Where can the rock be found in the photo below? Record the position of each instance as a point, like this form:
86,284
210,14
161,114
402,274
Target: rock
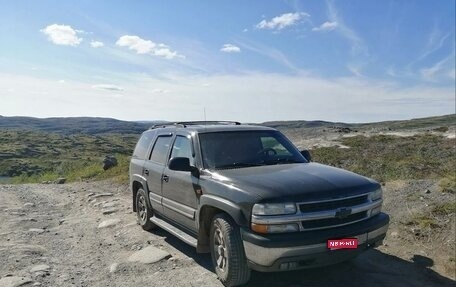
394,234
109,162
40,268
14,281
36,230
60,180
148,255
427,191
90,194
29,204
108,223
109,211
113,267
102,194
109,204
416,231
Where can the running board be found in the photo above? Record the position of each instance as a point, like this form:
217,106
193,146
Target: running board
187,238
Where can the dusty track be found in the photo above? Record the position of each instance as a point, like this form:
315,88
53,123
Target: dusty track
57,226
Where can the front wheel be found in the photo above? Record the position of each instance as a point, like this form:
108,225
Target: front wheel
143,210
227,251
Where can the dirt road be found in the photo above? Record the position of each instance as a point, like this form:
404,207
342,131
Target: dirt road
85,234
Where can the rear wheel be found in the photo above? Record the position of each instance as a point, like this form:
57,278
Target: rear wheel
227,251
143,210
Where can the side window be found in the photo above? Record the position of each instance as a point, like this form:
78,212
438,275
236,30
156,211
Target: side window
143,145
182,148
160,149
272,143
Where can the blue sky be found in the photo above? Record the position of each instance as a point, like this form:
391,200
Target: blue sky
353,61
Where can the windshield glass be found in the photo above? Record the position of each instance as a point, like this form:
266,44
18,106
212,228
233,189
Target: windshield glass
221,150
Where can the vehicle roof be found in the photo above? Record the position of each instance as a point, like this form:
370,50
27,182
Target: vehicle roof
200,128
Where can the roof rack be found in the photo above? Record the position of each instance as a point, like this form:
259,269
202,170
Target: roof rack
194,123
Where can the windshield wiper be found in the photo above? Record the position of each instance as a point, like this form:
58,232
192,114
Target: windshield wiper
284,160
238,165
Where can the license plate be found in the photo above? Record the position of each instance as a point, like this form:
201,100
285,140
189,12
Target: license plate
348,243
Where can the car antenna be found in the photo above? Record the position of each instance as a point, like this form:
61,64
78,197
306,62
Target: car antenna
204,111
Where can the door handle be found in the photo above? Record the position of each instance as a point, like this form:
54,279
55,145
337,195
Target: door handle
146,172
165,178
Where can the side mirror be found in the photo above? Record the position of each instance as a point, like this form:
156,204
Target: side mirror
306,154
183,164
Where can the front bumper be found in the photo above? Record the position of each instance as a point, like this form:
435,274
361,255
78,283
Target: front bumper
281,252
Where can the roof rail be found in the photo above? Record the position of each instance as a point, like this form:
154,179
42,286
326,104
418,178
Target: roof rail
193,123
203,123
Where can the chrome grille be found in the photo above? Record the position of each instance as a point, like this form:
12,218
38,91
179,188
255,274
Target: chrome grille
329,222
333,204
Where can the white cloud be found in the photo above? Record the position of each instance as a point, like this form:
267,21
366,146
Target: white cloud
159,91
441,70
230,48
326,26
282,21
286,97
62,35
141,46
96,44
107,87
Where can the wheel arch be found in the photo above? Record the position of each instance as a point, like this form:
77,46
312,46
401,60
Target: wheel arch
210,206
138,182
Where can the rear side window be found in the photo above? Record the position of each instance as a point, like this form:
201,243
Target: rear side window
160,149
143,145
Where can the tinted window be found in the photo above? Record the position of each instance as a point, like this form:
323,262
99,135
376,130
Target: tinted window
160,149
182,148
247,148
143,145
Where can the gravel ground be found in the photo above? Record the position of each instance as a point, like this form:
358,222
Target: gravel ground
85,234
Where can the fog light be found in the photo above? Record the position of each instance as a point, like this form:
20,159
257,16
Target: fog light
275,228
376,210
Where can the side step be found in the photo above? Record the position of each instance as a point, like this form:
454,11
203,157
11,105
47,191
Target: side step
187,238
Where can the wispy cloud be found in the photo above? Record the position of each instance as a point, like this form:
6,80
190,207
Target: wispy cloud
230,48
443,69
436,39
325,27
142,46
358,46
62,35
96,44
269,52
107,87
282,21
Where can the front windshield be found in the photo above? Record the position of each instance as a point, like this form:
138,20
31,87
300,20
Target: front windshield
221,150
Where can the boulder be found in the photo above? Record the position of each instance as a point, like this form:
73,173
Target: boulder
109,162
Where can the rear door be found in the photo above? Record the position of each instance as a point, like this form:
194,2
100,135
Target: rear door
153,169
179,197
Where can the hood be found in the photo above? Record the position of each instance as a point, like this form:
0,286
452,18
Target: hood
296,182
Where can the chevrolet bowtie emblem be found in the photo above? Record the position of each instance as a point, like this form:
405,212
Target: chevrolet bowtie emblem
343,212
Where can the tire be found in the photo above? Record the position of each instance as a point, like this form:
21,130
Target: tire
227,251
143,211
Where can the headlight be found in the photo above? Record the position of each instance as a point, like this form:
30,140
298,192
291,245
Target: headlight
376,195
273,208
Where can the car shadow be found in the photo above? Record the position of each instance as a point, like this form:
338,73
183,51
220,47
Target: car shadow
373,268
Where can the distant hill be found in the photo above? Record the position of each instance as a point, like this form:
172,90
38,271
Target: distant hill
420,123
94,126
75,125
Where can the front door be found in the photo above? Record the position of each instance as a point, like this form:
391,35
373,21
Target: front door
179,197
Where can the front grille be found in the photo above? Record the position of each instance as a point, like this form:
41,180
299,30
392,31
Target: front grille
330,205
329,222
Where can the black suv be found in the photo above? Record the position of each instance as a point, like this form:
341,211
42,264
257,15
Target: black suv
246,194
